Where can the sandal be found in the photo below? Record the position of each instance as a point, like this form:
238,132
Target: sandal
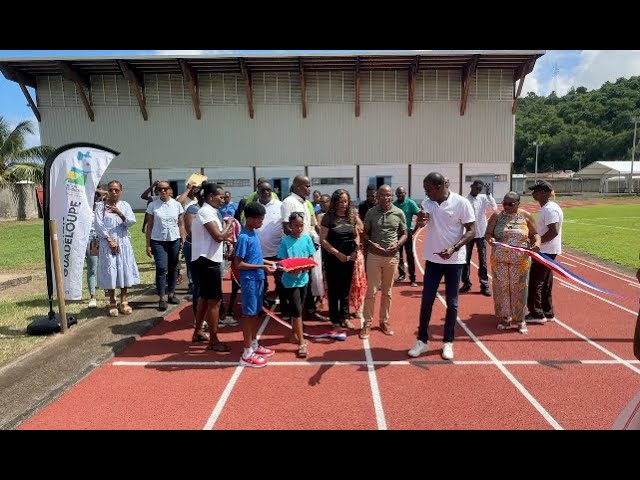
522,328
219,347
504,324
200,336
125,309
302,351
113,310
348,325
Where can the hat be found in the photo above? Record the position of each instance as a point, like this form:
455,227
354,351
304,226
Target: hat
542,185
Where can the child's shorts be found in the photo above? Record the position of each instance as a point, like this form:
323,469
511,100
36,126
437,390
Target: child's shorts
252,296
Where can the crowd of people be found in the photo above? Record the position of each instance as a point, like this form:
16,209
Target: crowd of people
359,252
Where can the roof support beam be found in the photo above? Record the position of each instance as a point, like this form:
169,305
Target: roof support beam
303,90
137,81
81,83
519,74
467,75
246,76
413,73
192,80
357,99
16,76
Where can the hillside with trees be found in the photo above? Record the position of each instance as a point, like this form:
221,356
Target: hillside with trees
581,126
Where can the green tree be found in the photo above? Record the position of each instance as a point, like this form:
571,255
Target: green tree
16,161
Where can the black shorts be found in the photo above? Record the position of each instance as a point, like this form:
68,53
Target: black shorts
210,278
296,297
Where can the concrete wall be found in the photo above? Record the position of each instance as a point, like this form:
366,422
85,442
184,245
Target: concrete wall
19,203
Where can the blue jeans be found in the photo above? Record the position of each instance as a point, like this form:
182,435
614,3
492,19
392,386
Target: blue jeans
165,255
186,253
92,270
432,276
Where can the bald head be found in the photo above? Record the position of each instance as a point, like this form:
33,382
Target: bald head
301,186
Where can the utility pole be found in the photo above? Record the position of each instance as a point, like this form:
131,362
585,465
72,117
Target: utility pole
635,120
537,144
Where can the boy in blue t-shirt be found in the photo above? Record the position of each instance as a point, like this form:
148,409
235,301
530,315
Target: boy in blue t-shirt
295,284
248,260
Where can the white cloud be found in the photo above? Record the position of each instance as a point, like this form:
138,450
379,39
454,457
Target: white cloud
585,68
599,66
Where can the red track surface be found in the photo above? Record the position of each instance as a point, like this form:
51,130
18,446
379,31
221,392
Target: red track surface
577,373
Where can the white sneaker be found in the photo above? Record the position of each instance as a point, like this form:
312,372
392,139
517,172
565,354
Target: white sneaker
93,303
419,348
447,351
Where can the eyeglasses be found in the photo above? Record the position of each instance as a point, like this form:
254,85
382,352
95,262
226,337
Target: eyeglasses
510,204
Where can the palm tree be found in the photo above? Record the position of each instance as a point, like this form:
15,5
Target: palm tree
17,162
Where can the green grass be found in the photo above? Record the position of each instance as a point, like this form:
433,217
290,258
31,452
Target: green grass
22,248
22,245
611,232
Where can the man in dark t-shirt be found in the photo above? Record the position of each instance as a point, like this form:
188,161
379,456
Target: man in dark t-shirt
364,207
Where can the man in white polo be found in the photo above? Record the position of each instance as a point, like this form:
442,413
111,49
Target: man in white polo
450,224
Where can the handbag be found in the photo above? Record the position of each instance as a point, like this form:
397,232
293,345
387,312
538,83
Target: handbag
94,247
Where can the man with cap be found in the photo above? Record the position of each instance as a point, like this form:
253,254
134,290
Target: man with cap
549,225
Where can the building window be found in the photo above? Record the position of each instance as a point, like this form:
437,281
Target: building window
233,182
332,181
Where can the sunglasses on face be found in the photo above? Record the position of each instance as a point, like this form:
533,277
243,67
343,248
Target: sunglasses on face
510,204
163,189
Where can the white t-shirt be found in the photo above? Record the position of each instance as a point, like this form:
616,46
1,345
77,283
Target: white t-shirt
295,203
550,213
202,243
480,203
271,233
446,227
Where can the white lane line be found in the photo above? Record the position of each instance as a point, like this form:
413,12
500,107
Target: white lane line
635,285
568,264
570,287
563,282
575,222
375,389
222,401
583,337
598,268
599,347
382,363
521,388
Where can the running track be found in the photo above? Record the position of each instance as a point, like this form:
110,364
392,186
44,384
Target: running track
577,373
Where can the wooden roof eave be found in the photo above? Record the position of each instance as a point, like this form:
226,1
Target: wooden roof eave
137,80
303,89
192,82
18,77
467,76
82,84
246,77
519,75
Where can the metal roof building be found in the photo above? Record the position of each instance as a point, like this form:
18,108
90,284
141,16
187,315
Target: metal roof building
346,120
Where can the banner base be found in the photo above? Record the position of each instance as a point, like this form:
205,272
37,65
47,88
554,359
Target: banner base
48,325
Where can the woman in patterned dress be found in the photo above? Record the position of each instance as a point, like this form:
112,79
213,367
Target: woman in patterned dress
117,267
516,227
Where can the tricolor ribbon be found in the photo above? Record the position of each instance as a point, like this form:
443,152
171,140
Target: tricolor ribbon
556,267
330,334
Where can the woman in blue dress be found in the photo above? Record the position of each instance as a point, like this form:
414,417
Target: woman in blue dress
117,266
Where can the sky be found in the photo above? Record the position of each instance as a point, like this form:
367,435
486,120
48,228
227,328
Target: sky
557,70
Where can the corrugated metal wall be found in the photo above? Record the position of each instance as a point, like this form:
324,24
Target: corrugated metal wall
278,141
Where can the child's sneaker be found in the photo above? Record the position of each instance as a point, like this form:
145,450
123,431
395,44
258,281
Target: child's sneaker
264,351
254,361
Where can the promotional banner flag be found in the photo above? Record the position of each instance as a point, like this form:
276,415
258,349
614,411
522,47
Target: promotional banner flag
72,174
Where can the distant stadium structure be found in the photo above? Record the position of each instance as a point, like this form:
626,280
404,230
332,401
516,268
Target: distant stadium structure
614,176
345,120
